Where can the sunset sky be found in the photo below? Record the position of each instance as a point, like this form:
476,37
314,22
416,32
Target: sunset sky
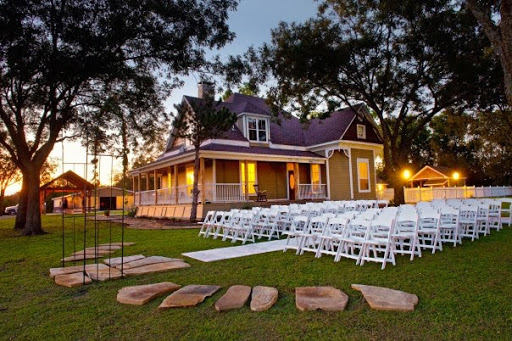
252,23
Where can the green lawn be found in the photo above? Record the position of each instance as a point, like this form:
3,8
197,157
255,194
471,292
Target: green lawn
465,292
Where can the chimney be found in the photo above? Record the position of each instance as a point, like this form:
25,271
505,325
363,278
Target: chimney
205,89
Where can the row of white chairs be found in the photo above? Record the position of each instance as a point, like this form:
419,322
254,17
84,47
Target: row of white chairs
379,234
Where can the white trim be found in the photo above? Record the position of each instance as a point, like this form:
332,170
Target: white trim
328,178
367,161
258,119
226,142
346,129
253,114
350,174
427,166
287,147
374,172
346,144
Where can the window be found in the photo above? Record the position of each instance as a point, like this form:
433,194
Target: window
190,178
315,174
363,175
361,131
251,176
257,129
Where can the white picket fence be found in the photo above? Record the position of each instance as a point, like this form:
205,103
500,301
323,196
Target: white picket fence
413,195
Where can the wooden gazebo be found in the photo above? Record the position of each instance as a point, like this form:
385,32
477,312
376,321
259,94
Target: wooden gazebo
68,182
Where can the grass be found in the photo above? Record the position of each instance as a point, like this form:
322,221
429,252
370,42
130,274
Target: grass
465,292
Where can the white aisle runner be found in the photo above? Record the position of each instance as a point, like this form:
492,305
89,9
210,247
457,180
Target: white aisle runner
237,251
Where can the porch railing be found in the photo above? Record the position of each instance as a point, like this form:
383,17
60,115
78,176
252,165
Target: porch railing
312,191
413,195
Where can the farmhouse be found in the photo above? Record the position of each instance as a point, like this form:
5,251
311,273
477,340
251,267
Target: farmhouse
333,159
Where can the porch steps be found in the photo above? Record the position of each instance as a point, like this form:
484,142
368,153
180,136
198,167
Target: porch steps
237,251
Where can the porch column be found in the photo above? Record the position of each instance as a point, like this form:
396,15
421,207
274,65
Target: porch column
214,181
246,177
327,180
297,180
155,182
138,186
133,183
147,181
201,174
176,184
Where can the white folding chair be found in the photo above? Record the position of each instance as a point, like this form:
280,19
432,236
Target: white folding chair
378,246
405,234
221,219
506,212
243,230
467,222
449,226
228,229
330,238
310,238
352,242
429,233
206,224
298,226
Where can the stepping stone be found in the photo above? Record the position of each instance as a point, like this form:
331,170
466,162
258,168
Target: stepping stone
72,269
72,280
148,261
155,268
188,296
105,247
263,298
103,274
387,299
80,257
142,294
92,252
126,259
234,298
119,244
323,298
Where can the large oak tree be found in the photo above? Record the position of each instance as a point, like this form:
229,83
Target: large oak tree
62,60
407,60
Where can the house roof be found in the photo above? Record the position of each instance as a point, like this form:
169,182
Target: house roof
259,150
68,181
432,172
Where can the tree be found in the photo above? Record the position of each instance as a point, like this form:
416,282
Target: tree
496,20
9,174
198,121
406,60
75,65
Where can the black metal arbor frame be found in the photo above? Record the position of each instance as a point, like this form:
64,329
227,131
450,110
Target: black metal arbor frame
96,164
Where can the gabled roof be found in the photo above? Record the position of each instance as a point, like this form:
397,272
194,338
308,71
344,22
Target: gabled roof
68,181
432,172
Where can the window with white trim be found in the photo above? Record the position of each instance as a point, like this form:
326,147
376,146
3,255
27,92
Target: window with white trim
257,129
363,175
361,131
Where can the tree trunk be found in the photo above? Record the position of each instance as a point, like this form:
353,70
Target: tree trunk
2,196
195,190
33,209
21,215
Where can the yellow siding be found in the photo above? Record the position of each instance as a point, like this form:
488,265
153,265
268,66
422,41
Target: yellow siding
208,171
363,154
339,176
227,172
272,178
304,174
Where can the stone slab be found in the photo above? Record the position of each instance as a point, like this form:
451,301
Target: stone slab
188,296
72,280
72,269
323,298
234,298
105,247
142,294
155,268
148,261
103,274
263,298
126,259
80,257
92,252
119,244
380,298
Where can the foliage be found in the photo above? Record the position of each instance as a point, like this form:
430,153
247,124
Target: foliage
92,68
9,174
406,60
197,121
464,292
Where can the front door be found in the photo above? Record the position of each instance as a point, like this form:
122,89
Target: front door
291,185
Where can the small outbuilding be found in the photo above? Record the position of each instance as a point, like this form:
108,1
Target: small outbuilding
437,176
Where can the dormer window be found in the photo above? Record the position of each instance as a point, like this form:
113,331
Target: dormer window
361,131
257,129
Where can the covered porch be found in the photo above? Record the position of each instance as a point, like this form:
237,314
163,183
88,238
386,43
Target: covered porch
229,180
